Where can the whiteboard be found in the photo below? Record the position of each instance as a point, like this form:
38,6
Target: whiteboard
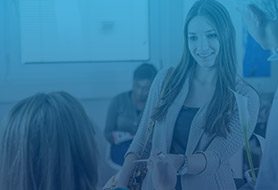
84,30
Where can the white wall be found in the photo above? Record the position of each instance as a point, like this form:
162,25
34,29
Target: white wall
83,79
93,83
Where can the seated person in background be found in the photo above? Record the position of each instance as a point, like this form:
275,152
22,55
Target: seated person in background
47,143
125,112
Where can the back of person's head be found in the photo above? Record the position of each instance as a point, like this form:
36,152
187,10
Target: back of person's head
265,19
269,7
47,143
144,71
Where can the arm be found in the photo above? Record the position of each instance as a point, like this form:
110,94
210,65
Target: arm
140,137
193,164
165,168
126,170
196,163
221,149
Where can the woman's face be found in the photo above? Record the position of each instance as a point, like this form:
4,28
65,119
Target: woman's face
203,41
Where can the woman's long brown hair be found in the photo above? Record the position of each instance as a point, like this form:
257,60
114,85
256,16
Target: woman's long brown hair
223,101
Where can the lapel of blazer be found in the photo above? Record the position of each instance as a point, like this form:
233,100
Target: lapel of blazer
196,130
173,112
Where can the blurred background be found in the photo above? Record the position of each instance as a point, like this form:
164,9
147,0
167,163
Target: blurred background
90,48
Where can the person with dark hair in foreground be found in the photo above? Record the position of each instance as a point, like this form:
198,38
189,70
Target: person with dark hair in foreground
125,112
47,143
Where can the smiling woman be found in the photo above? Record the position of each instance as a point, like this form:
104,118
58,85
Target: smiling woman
203,42
196,117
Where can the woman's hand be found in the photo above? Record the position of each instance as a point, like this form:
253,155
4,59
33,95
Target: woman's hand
120,136
163,168
113,183
122,178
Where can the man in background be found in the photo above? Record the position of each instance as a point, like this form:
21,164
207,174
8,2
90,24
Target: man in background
125,112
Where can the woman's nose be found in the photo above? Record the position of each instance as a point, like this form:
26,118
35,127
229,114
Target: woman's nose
203,44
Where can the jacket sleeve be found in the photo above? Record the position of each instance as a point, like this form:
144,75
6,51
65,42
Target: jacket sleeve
153,97
222,149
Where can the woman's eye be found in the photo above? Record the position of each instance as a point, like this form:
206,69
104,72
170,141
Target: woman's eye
212,36
193,38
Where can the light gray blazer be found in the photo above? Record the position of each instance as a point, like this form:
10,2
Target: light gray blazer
217,175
